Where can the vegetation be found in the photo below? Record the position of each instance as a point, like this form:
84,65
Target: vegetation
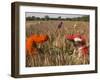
57,50
83,18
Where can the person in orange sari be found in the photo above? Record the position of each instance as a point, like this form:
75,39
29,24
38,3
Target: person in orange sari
34,39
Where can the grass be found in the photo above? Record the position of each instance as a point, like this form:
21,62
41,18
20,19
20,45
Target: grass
48,53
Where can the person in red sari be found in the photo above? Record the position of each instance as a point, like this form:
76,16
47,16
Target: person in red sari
79,42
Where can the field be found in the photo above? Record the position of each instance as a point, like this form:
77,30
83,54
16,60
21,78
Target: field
57,50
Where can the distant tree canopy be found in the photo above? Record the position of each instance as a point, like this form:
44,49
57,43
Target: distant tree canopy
45,18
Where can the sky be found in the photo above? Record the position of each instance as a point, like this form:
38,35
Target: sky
52,15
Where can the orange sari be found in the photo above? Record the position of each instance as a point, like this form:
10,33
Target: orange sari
33,40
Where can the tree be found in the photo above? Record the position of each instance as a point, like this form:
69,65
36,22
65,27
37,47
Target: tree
47,17
33,17
59,18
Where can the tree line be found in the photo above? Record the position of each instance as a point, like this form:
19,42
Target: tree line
46,18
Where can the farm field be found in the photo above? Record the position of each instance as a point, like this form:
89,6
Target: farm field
57,50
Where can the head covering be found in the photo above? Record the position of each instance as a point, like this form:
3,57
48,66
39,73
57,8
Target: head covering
76,37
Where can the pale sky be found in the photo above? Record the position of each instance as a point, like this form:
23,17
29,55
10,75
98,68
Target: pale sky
52,15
